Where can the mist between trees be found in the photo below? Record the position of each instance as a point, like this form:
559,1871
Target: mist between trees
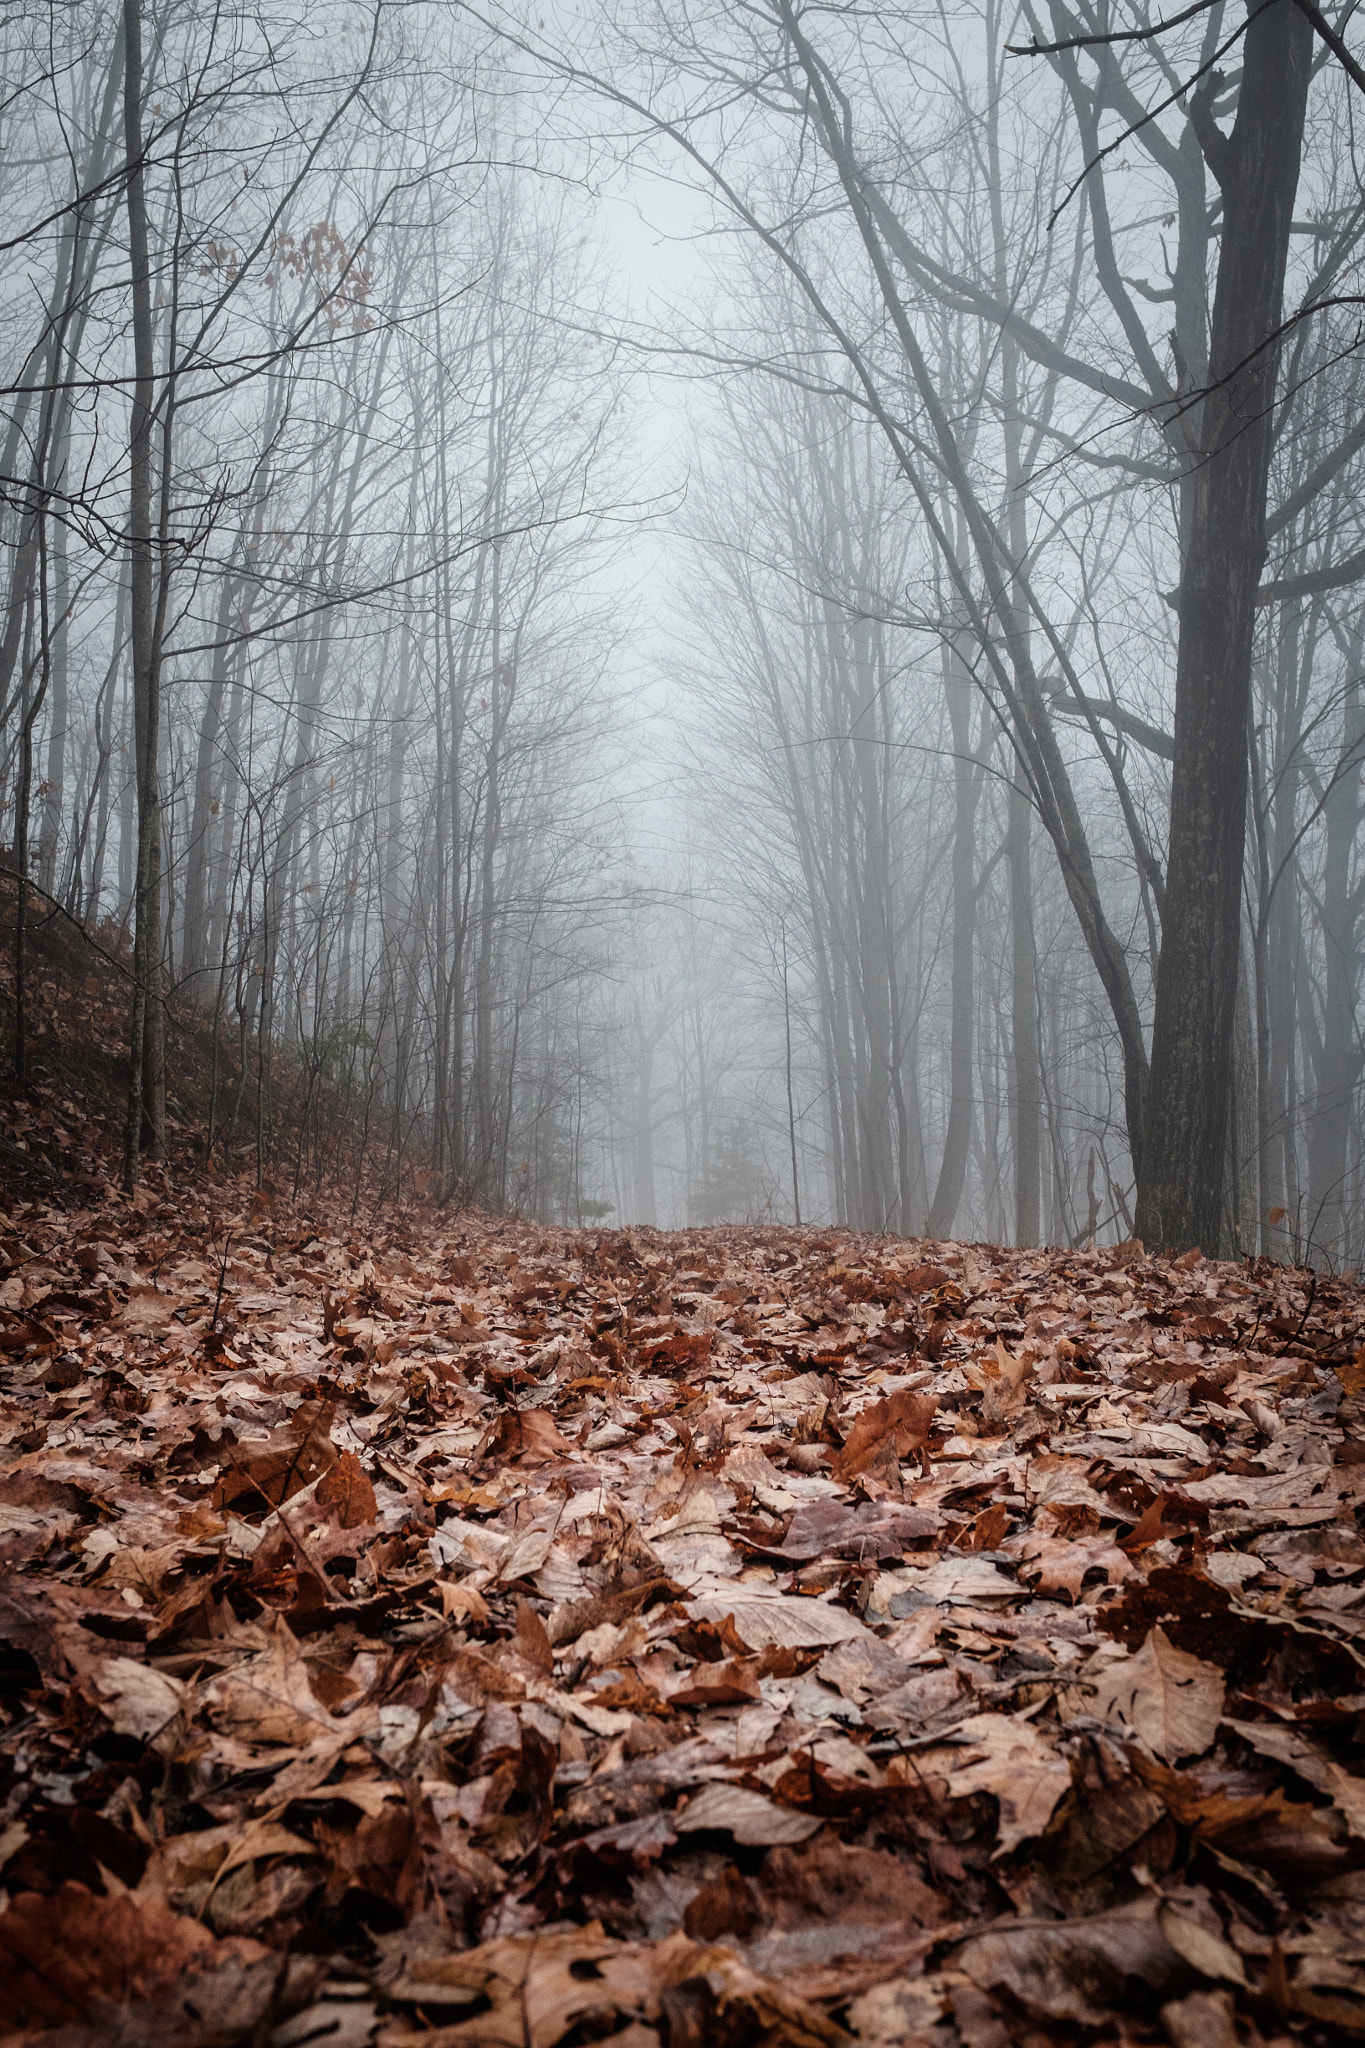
873,733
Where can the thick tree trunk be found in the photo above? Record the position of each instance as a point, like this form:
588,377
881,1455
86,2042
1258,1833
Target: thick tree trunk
29,706
146,721
1180,1183
1240,1185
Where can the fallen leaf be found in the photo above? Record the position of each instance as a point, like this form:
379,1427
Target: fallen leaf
1294,1747
537,1989
1173,1702
159,1976
1203,1950
777,1620
747,1816
902,1419
295,1455
134,1699
1084,1971
348,1487
1010,1759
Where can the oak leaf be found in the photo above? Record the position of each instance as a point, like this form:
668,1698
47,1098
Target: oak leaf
1083,1970
167,1983
539,1990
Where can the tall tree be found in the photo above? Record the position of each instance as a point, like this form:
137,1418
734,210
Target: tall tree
146,1066
1180,1199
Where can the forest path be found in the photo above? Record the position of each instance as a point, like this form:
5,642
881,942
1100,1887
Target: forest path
476,1632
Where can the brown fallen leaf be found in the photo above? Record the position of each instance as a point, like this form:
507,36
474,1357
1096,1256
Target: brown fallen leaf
1172,1702
538,1989
1167,1515
1204,2019
831,1528
1062,1565
1006,1391
59,1953
75,1957
1010,1759
747,1816
134,1699
1292,1746
269,1698
903,1418
294,1456
782,1620
1084,1971
529,1434
348,1486
1202,1949
714,1685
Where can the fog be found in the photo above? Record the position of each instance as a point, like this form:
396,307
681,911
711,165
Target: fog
705,612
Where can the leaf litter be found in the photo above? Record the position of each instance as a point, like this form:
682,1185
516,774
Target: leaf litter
486,1634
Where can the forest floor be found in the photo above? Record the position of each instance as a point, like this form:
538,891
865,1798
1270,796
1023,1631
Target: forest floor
460,1631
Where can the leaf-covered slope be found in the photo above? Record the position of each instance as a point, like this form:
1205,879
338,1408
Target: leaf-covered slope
496,1635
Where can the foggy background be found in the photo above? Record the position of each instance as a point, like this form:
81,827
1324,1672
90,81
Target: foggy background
583,753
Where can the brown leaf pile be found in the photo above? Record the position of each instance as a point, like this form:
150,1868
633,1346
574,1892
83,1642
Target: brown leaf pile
491,1635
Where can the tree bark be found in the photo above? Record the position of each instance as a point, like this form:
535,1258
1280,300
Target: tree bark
146,709
1025,1099
791,1100
200,850
952,1173
1180,1182
1329,1215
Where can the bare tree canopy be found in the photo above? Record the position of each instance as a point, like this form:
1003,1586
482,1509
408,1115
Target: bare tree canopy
704,612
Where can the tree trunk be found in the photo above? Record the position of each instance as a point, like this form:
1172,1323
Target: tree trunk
1180,1183
54,777
208,760
643,1202
952,1171
1329,1119
791,1099
1240,1184
1025,1102
29,705
146,708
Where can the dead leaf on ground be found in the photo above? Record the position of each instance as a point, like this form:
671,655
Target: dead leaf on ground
1173,1702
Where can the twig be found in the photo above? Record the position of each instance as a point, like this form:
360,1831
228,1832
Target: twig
222,1282
1308,1310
